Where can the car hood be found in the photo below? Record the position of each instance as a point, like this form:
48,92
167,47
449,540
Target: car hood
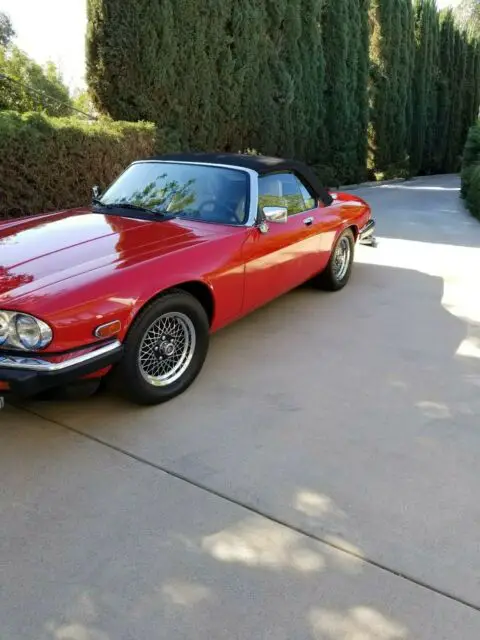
39,251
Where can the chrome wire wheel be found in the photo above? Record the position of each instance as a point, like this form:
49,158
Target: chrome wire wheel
341,259
167,349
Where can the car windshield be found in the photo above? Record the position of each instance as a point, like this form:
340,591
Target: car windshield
202,192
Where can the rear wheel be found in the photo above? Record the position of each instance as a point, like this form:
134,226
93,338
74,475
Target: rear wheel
165,350
339,268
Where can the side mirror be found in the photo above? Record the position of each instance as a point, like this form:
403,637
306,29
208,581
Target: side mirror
96,192
278,215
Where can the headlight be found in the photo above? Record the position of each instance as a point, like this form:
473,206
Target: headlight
23,331
4,328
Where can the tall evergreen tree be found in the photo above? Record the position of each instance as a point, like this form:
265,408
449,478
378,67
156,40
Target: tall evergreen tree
423,79
403,109
431,130
391,67
291,77
363,30
457,77
470,109
446,85
337,83
346,42
313,80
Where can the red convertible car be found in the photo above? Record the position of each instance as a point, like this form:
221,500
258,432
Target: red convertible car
177,247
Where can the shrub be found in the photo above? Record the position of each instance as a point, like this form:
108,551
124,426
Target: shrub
471,171
473,194
51,163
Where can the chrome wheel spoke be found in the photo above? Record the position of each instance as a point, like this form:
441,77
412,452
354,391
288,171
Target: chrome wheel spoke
167,349
341,258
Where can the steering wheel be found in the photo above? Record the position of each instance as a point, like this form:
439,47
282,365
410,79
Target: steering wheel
229,215
206,204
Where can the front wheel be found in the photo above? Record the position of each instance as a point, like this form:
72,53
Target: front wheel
165,350
339,268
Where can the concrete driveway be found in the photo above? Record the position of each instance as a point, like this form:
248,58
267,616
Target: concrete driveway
319,481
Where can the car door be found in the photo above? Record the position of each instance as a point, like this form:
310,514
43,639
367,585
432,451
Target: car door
287,254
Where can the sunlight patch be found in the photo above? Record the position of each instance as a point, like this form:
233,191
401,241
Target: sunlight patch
435,410
359,623
315,504
470,348
263,544
78,632
185,593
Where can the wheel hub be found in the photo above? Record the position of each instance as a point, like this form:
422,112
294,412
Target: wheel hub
165,348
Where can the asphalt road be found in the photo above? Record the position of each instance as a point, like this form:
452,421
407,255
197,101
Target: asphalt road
319,481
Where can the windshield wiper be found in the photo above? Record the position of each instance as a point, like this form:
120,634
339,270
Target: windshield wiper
127,205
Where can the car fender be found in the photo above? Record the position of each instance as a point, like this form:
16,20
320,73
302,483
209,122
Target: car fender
186,283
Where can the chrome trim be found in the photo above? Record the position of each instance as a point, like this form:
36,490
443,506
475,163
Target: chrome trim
44,366
367,230
254,176
276,214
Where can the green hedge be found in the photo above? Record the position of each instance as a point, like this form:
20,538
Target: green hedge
332,82
51,163
471,171
286,77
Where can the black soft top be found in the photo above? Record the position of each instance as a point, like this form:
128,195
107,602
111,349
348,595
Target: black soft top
261,164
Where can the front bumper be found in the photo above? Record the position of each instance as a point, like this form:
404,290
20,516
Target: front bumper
28,376
367,234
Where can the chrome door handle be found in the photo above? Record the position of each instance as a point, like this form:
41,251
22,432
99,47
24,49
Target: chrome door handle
308,221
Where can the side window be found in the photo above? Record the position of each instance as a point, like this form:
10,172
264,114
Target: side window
282,190
310,201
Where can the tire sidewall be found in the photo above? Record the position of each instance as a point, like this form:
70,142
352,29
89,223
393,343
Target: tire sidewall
136,386
336,283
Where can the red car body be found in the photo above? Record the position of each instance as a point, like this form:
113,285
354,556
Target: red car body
77,270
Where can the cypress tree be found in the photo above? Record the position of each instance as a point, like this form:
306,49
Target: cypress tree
471,85
361,98
406,59
458,86
346,52
469,91
377,89
457,76
337,85
431,131
391,53
294,131
239,62
445,88
277,89
351,171
477,82
410,45
424,78
313,80
476,99
396,111
391,60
